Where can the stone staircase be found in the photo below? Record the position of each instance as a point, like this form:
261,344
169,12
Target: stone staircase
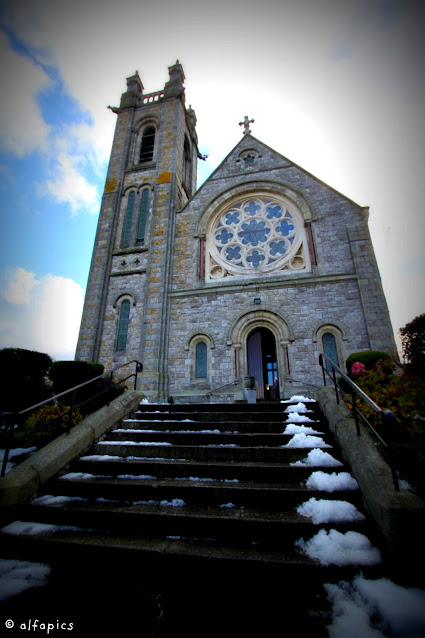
183,519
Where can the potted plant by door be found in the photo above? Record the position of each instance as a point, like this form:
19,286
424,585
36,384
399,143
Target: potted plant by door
251,390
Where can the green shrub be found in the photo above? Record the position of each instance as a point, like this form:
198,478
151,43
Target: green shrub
67,374
46,424
369,359
23,382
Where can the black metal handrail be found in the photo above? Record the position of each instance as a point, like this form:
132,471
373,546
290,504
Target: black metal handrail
387,416
226,385
8,416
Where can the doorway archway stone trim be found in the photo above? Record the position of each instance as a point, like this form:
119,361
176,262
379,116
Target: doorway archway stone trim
264,318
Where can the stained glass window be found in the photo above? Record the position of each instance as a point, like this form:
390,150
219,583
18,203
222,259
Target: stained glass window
330,349
144,203
201,360
128,219
123,325
255,233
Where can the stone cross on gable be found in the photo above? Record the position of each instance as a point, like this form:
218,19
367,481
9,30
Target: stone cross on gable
246,124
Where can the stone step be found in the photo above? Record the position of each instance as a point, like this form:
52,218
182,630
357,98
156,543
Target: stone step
224,453
216,417
145,554
205,438
250,472
195,493
215,408
181,505
229,526
243,427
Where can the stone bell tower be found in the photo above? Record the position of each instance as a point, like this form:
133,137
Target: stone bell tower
151,175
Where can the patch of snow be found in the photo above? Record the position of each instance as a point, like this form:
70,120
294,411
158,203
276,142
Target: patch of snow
405,485
48,499
299,397
132,443
136,476
295,417
176,502
334,548
198,431
302,440
82,475
197,478
101,457
223,445
317,458
19,527
17,576
326,511
375,609
292,428
298,407
331,482
136,431
14,452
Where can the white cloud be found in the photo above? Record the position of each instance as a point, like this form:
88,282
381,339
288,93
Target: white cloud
71,186
19,286
48,320
22,128
337,88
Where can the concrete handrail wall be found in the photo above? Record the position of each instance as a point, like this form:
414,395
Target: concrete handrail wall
24,480
400,515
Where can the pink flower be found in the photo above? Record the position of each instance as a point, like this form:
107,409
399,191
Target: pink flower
357,368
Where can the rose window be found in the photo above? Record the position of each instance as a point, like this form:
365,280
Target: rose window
255,233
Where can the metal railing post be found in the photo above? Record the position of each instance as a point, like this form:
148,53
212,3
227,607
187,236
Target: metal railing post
9,437
111,374
323,369
390,420
335,385
71,410
356,416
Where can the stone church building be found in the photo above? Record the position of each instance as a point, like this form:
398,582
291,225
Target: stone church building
254,274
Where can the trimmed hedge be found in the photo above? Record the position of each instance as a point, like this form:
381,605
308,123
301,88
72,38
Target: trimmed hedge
23,381
67,374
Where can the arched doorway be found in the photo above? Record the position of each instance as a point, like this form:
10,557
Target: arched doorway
262,363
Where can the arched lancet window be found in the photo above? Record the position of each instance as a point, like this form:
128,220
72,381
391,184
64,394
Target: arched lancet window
144,207
148,143
187,163
123,325
201,360
330,349
128,219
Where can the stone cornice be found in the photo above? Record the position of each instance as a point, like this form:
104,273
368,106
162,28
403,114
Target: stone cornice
242,286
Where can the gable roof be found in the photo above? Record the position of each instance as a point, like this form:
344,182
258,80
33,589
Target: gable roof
248,142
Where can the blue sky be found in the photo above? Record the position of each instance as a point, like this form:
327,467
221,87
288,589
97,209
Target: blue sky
337,86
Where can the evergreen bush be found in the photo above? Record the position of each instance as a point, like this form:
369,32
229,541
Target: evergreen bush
68,374
24,375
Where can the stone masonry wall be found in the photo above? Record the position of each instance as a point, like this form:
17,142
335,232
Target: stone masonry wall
342,290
